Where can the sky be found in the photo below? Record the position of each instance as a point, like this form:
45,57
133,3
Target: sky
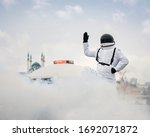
56,27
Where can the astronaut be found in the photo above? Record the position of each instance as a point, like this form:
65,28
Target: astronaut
109,58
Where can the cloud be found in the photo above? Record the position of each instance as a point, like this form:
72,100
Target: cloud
69,11
39,9
39,4
81,97
2,34
12,48
108,27
8,3
119,16
127,2
4,38
146,26
147,11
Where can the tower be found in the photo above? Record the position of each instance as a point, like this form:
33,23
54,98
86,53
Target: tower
28,67
42,59
30,61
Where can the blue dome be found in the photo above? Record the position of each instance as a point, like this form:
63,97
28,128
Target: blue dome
35,66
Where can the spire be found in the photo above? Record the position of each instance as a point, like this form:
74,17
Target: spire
28,55
42,59
30,61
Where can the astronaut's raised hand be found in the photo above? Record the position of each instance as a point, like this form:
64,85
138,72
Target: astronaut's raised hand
85,37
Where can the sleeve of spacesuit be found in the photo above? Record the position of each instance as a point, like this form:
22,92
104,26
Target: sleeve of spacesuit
123,61
88,52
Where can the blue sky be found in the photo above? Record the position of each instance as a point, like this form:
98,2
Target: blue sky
55,27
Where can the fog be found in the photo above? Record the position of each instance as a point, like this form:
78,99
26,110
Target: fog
84,97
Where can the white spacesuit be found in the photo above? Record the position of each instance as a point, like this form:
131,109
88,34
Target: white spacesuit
109,58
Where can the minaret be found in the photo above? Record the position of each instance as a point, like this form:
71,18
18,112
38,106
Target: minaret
28,62
42,59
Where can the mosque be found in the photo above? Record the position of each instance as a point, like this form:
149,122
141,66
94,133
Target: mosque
34,66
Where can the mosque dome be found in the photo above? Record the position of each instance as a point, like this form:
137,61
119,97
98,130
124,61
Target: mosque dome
35,66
